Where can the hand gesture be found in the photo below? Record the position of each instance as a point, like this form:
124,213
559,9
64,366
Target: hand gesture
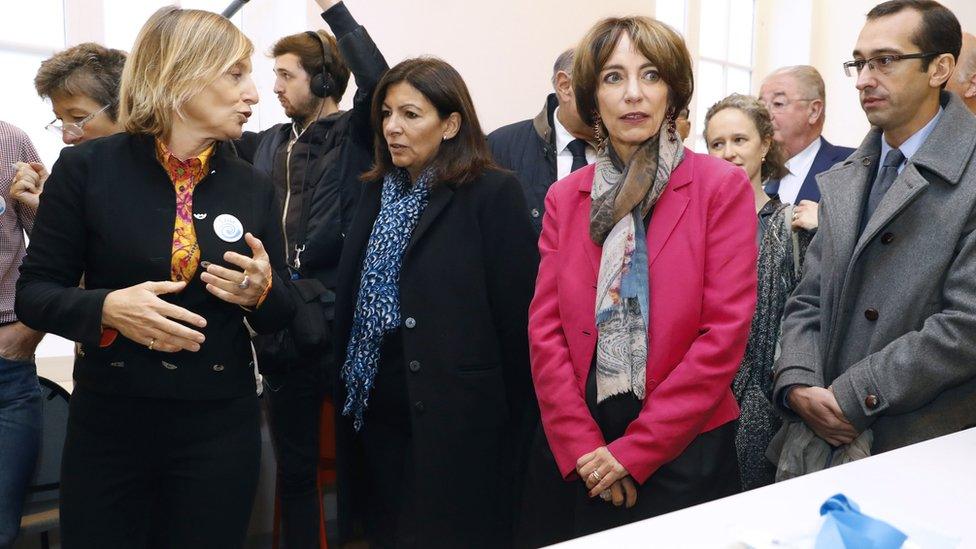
28,183
805,215
139,314
820,411
244,287
600,470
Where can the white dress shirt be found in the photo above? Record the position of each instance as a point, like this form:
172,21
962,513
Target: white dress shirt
564,157
799,166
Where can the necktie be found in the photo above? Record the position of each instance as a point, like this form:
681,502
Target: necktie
578,148
887,175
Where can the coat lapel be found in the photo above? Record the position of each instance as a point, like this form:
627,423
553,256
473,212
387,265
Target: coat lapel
440,196
905,188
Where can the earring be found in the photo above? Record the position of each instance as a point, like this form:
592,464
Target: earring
444,138
763,159
597,127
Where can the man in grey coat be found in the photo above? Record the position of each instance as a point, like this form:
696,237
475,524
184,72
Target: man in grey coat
880,333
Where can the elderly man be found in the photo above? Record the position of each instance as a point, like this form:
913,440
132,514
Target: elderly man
548,147
795,99
878,336
963,80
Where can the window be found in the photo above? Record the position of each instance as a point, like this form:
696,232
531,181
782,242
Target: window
724,55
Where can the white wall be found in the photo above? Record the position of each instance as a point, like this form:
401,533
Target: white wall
504,50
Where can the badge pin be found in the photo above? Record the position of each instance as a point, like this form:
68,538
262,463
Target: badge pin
200,216
228,228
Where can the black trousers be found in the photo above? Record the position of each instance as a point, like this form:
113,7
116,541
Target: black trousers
158,473
295,398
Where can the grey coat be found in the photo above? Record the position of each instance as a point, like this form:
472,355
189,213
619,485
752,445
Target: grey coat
888,318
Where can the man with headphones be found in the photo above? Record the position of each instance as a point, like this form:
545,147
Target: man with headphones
314,162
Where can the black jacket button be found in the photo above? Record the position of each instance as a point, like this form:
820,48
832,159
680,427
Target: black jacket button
414,366
410,322
887,238
419,406
871,314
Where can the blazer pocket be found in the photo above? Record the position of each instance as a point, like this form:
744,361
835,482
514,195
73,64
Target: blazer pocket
477,369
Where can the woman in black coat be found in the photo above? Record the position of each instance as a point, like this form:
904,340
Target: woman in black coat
181,249
435,281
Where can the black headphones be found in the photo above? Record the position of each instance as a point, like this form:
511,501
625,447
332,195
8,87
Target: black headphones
321,84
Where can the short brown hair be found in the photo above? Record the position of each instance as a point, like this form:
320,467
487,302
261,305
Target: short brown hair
460,159
775,164
310,54
656,41
176,54
86,69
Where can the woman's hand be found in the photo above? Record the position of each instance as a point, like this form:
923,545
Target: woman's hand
140,315
805,215
28,183
240,288
622,492
600,470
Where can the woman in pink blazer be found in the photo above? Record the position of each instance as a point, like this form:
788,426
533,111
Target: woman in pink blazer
643,302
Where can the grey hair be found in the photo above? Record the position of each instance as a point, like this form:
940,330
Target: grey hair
808,78
563,63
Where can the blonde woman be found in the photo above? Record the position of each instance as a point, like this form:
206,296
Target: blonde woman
180,246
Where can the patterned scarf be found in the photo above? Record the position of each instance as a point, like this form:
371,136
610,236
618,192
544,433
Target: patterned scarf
621,202
184,174
378,303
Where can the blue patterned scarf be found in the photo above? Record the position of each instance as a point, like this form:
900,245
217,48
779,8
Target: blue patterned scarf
378,303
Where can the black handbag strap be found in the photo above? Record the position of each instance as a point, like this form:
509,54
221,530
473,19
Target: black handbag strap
306,208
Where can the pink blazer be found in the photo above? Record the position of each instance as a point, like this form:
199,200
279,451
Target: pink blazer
701,248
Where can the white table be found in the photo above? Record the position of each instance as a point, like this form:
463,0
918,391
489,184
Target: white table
926,487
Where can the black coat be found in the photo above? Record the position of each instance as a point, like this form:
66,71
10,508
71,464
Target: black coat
528,148
330,156
108,211
467,277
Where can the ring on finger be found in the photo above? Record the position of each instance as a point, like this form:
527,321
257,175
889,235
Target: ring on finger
245,284
152,343
605,495
595,476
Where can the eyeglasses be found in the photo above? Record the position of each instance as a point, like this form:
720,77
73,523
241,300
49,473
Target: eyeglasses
780,104
882,63
76,130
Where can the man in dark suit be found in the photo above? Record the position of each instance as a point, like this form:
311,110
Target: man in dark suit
796,100
548,147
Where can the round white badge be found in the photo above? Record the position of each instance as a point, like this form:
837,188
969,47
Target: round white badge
228,228
3,205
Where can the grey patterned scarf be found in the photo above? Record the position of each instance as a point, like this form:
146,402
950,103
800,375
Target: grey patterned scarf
622,199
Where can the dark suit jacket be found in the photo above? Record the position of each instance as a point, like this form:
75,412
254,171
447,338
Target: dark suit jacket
108,211
465,284
827,156
528,148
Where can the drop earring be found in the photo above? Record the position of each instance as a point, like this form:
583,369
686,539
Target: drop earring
597,127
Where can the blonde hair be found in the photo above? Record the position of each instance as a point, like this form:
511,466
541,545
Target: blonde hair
177,54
